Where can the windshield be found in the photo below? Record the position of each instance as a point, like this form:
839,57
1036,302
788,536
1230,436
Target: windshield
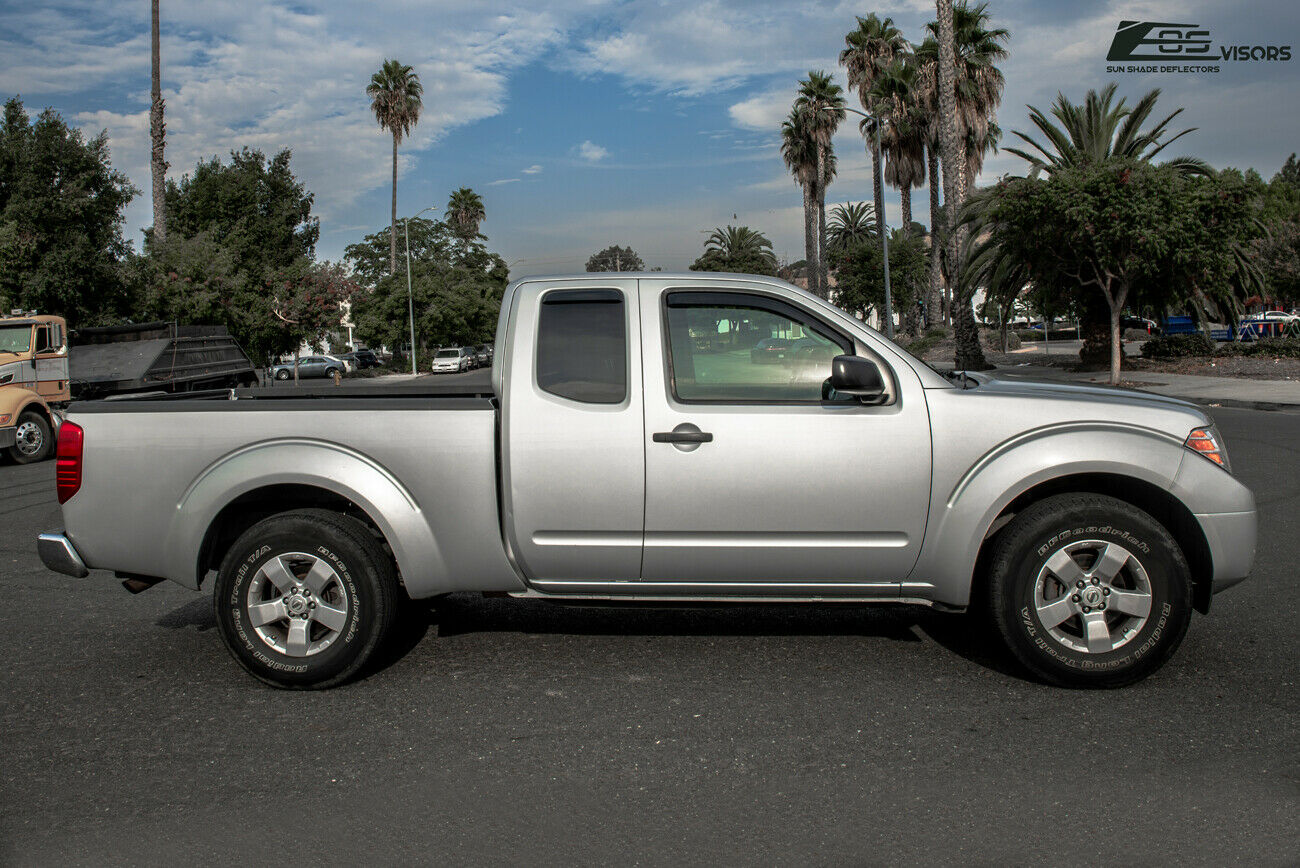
15,339
448,354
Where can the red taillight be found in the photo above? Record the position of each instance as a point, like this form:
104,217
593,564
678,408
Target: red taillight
67,462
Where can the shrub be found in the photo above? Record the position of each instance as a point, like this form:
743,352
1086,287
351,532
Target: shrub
1067,334
993,340
1136,335
1272,348
1177,346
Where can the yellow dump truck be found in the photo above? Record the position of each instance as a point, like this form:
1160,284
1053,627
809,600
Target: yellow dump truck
43,366
34,384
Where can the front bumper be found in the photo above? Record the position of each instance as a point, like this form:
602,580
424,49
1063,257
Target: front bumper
8,436
1231,538
58,553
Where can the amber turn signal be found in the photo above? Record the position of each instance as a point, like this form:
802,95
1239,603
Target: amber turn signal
1205,442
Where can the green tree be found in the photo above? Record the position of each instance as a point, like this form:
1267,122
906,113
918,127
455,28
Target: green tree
799,151
1097,131
308,302
1124,229
896,95
851,223
465,212
737,249
61,206
821,101
860,274
396,98
456,285
615,258
234,228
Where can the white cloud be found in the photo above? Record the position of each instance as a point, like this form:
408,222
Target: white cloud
592,152
532,170
764,111
501,181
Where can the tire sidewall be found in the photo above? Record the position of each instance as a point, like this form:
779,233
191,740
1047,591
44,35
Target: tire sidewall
359,582
1159,556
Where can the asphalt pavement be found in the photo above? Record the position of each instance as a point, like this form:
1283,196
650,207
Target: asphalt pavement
498,730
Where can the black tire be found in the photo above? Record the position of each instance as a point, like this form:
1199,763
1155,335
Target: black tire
1062,527
365,579
282,374
37,440
330,372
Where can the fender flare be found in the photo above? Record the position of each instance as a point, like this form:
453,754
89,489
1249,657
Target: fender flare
304,461
961,518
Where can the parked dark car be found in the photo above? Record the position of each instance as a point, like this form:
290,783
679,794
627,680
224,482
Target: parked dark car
362,359
482,356
1138,322
770,351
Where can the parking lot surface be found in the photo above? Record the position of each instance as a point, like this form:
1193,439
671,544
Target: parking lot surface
500,730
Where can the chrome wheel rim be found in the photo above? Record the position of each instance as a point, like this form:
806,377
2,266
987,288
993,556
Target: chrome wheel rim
297,604
1093,596
29,438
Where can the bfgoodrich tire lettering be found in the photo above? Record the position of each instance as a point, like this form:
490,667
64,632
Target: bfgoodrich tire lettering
304,598
1089,591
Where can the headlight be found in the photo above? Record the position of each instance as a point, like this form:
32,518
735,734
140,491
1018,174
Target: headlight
1205,442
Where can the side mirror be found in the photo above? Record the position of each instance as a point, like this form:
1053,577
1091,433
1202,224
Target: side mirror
854,375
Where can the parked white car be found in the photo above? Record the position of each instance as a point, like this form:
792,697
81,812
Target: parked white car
451,360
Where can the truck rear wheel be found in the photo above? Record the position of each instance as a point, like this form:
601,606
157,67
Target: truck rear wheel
1089,591
304,598
35,441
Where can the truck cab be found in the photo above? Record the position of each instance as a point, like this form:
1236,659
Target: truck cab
34,384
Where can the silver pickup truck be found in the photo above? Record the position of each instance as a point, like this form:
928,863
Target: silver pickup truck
676,438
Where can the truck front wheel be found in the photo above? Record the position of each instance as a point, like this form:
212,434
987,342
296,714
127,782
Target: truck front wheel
1089,591
34,440
304,598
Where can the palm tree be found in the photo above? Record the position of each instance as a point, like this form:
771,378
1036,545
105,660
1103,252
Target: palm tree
800,155
465,212
1098,130
851,223
157,136
823,102
873,45
737,242
396,97
897,96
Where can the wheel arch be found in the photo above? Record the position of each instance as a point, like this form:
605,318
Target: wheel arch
1157,502
264,479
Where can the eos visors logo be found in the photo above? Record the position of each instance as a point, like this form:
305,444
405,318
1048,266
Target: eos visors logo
1189,46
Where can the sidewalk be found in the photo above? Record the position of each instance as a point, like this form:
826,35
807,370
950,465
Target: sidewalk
1221,391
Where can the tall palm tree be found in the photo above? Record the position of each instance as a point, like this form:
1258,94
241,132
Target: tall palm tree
851,223
938,302
396,97
873,44
896,94
1098,129
823,102
465,212
800,154
157,135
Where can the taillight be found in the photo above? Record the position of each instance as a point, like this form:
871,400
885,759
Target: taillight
1204,442
67,462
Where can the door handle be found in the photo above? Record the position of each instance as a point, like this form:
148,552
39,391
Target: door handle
683,437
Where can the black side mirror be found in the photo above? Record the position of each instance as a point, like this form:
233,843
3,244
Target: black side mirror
854,375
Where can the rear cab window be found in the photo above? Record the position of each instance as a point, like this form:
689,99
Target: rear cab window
582,345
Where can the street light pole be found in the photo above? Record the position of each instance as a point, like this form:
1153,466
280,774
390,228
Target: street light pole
881,222
410,298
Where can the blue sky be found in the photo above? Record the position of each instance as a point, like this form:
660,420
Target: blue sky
582,123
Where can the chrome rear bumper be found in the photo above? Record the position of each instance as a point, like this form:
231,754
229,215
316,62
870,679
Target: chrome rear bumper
57,553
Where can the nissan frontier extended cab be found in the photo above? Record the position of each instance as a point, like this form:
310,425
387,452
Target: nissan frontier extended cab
638,444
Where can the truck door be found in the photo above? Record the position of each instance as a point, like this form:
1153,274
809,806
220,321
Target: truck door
51,362
573,460
754,474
